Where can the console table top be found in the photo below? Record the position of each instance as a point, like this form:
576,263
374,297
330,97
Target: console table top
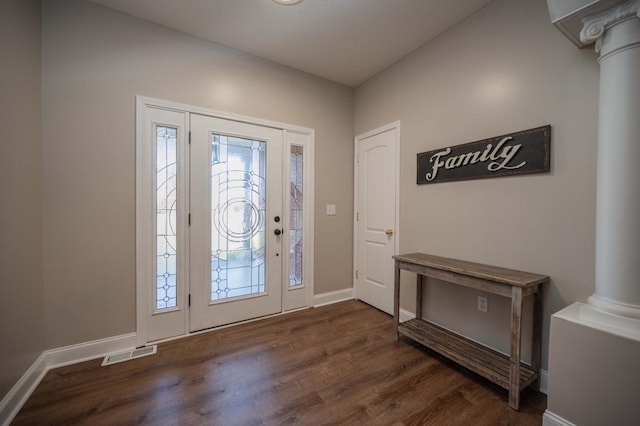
472,269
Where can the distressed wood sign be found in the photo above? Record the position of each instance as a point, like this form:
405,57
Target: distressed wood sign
518,153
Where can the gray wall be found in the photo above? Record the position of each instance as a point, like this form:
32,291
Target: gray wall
21,326
95,61
502,70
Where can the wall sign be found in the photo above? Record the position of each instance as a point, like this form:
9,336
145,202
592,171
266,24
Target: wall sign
523,152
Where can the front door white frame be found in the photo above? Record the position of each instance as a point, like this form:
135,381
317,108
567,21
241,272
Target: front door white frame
395,126
292,298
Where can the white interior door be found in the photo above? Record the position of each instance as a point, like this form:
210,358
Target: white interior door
236,238
376,217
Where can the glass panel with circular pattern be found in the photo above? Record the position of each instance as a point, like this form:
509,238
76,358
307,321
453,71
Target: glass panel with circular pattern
166,203
238,217
295,220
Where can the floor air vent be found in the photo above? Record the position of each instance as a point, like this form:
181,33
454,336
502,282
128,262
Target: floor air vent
132,354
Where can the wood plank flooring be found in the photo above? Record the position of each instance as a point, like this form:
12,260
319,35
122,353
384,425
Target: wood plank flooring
336,364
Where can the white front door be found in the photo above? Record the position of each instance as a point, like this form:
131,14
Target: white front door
224,218
376,215
236,239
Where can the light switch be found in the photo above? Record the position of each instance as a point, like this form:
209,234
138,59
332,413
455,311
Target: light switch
331,209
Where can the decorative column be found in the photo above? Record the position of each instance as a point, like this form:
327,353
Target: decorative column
617,36
594,347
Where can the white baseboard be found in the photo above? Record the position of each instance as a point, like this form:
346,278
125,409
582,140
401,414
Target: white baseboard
89,350
406,315
544,381
332,297
20,392
53,358
552,419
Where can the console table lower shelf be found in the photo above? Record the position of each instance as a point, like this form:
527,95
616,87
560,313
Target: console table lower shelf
506,371
486,362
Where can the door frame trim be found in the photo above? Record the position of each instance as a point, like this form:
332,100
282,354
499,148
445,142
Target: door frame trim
143,102
356,169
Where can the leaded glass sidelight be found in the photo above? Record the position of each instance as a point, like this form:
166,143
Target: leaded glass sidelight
238,213
295,232
166,203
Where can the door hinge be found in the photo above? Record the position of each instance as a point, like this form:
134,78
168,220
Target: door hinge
357,217
189,137
189,219
356,275
189,300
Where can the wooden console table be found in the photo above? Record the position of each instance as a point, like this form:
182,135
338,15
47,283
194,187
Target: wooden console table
506,371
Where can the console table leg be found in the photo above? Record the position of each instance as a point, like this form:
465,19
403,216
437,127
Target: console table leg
536,348
419,282
396,301
516,334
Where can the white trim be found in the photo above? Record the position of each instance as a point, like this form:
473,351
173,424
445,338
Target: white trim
356,169
406,315
332,297
552,419
149,320
304,293
22,390
600,318
81,352
208,330
159,103
54,358
309,216
143,310
356,195
143,233
544,381
629,313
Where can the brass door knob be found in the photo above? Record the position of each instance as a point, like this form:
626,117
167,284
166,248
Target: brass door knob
389,232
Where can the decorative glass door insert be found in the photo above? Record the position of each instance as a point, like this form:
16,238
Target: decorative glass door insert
214,232
236,234
238,217
296,177
166,203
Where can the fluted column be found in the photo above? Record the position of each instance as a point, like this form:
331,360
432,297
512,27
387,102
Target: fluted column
617,36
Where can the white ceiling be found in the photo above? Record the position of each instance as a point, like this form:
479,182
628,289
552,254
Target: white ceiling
347,41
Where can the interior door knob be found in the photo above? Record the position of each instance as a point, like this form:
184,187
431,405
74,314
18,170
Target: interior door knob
277,231
389,232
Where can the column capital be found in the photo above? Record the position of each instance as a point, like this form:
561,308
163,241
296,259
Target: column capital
594,26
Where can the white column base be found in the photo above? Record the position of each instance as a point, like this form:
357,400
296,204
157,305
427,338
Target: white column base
615,308
593,368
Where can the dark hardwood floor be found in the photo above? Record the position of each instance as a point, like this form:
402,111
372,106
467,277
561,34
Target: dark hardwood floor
336,364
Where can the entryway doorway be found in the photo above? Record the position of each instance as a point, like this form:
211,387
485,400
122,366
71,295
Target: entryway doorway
376,223
224,220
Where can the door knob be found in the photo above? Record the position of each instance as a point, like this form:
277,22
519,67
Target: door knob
277,232
389,232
